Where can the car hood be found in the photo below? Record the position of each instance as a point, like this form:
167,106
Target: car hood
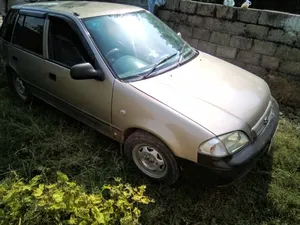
213,93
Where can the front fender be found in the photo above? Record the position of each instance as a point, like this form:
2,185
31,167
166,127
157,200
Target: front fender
132,108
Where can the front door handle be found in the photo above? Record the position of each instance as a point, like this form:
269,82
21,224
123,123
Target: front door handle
15,58
52,76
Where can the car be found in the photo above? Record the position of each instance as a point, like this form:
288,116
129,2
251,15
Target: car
122,71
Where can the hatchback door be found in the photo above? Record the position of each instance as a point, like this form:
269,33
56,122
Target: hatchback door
88,99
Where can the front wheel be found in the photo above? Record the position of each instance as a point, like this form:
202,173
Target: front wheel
152,157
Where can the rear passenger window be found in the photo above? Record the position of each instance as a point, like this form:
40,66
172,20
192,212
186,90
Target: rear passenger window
65,46
8,25
29,34
33,31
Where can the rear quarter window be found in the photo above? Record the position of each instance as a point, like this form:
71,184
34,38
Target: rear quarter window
8,25
17,38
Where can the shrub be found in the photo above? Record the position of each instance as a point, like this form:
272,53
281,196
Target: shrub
63,202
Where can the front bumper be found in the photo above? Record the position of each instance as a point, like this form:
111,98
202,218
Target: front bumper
232,167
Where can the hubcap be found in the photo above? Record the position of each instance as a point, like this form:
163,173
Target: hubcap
149,161
20,88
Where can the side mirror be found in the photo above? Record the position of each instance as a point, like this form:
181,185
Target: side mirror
85,71
179,34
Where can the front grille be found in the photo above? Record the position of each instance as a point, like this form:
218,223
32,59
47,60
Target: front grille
263,121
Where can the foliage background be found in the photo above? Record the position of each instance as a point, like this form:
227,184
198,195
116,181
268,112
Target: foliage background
40,201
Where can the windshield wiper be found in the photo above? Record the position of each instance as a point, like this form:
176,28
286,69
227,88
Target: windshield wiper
159,63
181,53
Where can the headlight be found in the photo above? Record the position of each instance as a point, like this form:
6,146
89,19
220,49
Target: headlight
225,144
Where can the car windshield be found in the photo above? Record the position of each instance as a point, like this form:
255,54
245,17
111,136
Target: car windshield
137,43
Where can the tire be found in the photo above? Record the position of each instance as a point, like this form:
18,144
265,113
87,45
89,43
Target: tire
152,157
17,85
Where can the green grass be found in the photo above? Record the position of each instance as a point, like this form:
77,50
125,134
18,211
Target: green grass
37,137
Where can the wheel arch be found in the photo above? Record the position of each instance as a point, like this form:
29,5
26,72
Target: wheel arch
9,71
130,130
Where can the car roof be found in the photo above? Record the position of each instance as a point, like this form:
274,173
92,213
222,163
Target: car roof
82,9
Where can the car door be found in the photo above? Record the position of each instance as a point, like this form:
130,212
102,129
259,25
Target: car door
89,100
26,53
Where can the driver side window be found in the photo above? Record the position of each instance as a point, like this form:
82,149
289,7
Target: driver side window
64,45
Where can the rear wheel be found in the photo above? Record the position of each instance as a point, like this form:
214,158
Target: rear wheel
152,157
19,87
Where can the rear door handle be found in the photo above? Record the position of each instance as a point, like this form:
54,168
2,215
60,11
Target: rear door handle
15,58
52,76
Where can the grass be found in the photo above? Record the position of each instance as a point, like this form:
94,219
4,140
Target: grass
37,137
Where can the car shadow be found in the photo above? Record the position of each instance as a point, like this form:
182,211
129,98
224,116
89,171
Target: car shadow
200,201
